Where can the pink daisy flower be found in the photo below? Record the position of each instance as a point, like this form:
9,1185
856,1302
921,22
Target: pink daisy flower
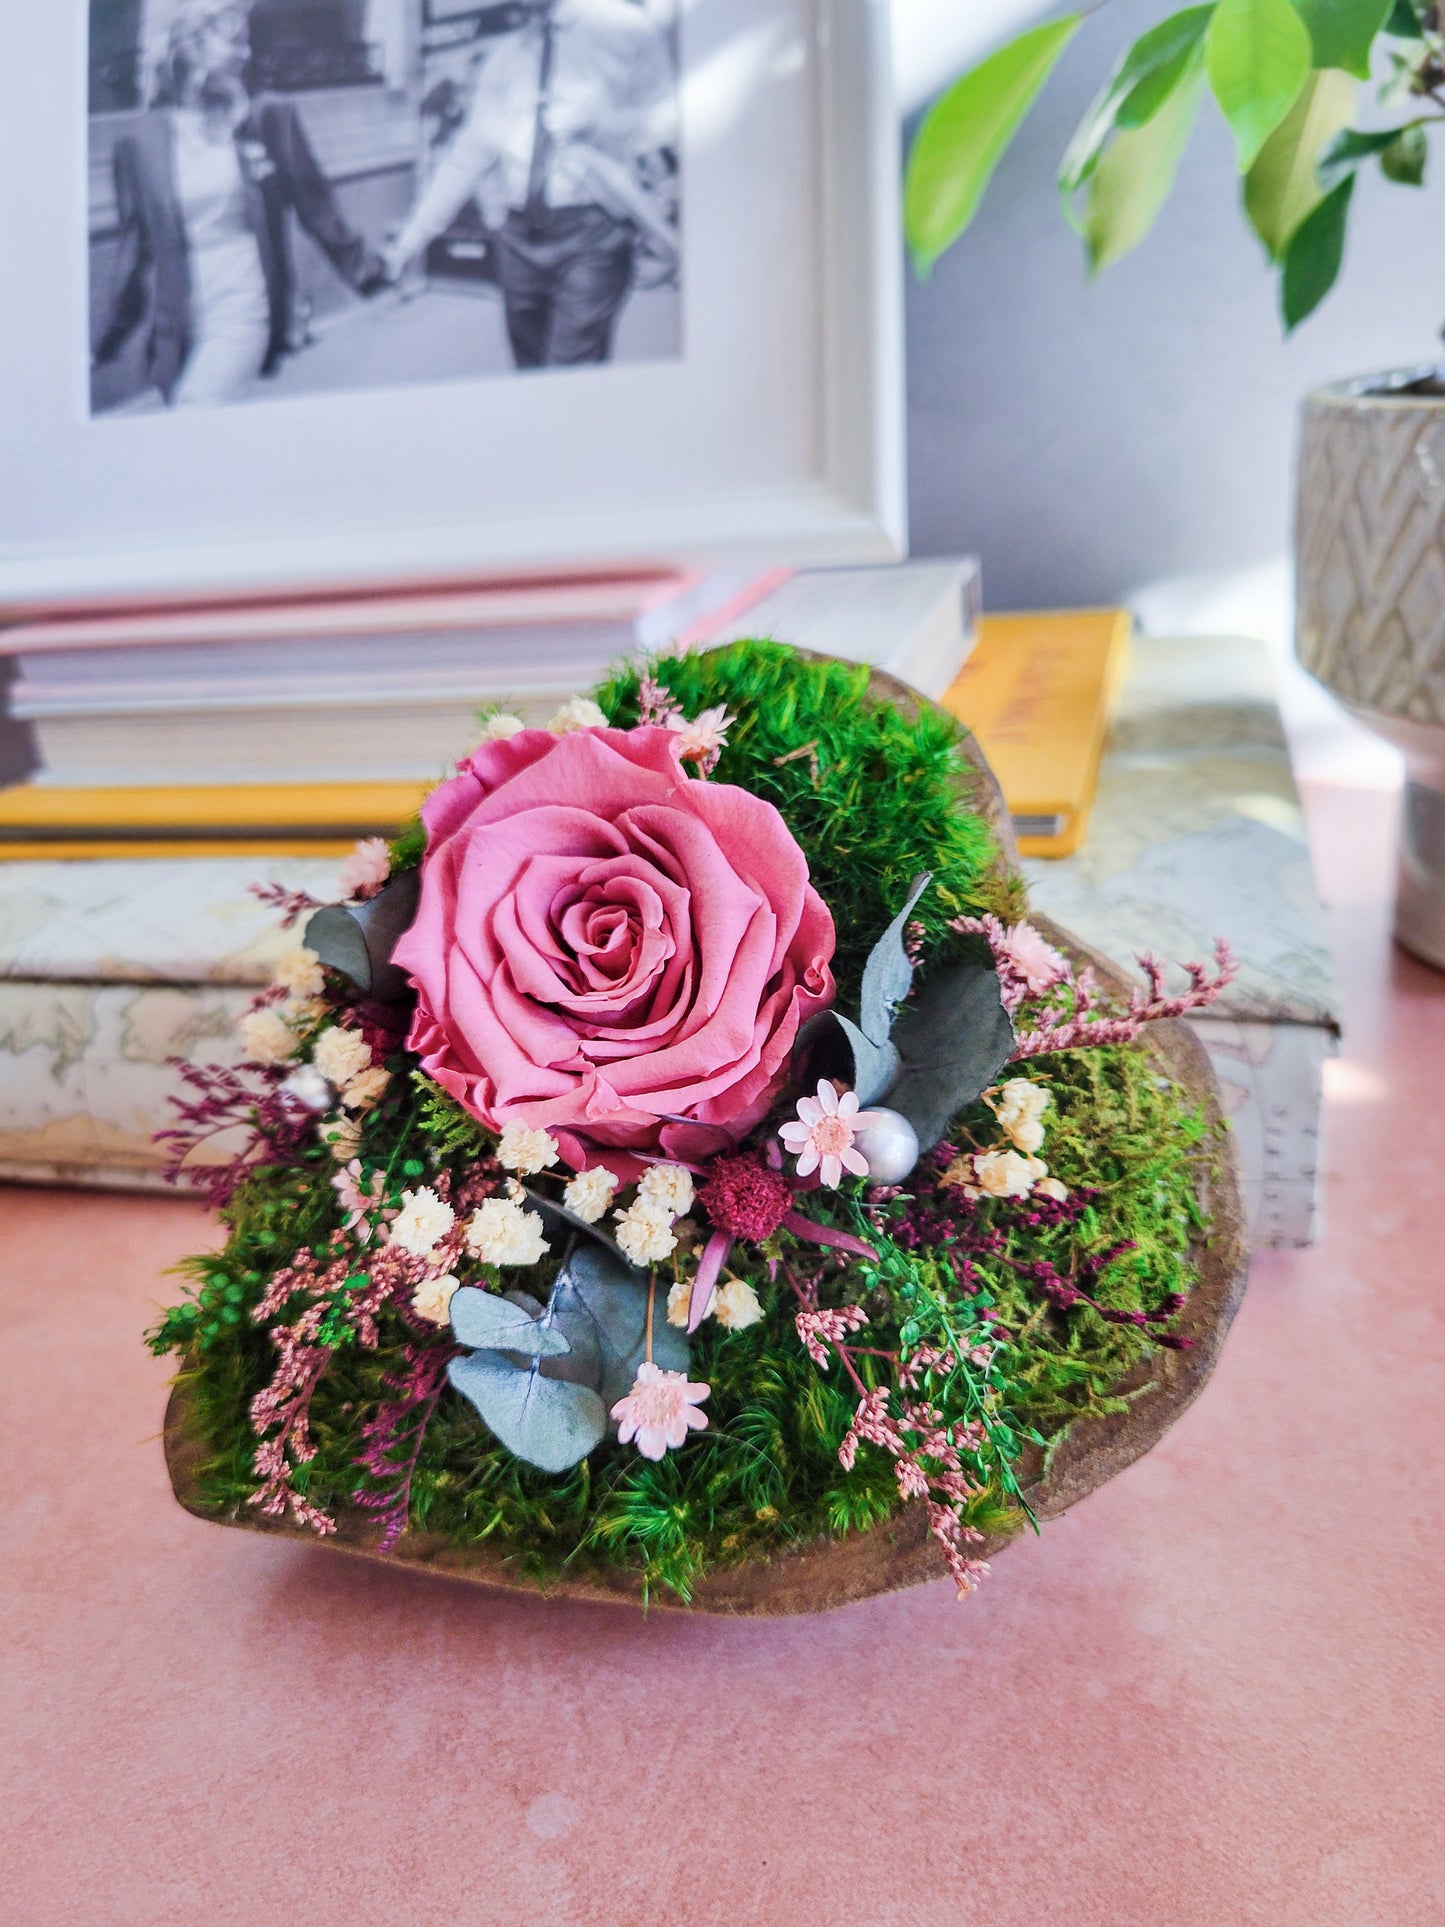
659,1410
703,739
821,1137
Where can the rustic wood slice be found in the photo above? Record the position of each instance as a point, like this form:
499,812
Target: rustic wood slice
817,1575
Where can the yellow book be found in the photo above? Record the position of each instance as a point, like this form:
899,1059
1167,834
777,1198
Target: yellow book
1037,693
224,819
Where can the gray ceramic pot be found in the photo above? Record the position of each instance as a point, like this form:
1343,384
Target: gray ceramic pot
1370,541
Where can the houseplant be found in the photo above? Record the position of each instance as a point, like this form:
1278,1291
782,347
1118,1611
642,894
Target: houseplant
1313,91
680,1171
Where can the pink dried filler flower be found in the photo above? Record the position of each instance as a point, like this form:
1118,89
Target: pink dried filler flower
822,1137
659,1410
366,869
1036,964
702,739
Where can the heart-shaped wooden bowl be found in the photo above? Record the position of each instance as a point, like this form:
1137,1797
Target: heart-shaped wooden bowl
816,1575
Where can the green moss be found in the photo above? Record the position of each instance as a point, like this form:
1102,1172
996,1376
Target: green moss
766,1471
874,799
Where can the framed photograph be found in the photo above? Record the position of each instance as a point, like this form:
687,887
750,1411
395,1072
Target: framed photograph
317,292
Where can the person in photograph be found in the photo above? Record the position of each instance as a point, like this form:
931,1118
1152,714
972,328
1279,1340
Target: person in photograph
206,186
569,145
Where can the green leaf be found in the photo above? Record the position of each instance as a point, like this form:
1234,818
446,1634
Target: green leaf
964,134
1132,181
1404,21
1341,156
1314,255
1404,159
1258,54
1147,73
1342,32
1283,186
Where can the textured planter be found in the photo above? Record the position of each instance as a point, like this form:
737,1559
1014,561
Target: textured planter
1370,540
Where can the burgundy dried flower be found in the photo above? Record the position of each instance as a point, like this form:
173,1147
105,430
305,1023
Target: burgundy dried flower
744,1198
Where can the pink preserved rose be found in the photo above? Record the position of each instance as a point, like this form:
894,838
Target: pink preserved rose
609,949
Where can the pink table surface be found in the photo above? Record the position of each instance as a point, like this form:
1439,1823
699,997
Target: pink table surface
1212,1694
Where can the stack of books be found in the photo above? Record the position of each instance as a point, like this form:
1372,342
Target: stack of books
296,726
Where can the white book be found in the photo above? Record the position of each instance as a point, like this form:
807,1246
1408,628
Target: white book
916,619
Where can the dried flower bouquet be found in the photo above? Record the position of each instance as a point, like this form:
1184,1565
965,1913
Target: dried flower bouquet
680,1163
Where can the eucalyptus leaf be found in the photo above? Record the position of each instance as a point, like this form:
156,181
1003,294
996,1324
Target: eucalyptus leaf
874,1065
964,134
1283,186
1147,74
954,1037
596,1295
488,1323
888,973
580,1361
1342,32
358,938
1258,54
1132,180
549,1422
1316,252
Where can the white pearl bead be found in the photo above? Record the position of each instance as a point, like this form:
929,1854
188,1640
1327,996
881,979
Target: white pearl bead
890,1145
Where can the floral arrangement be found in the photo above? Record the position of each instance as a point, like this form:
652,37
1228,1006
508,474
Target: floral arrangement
680,1144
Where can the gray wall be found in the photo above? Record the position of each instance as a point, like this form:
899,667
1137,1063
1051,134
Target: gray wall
1086,439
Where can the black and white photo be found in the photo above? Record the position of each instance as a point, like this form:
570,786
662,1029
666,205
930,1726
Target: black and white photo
310,292
301,197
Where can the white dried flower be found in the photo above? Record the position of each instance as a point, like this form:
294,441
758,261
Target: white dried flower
266,1037
423,1220
679,1304
502,1233
342,1137
1019,1106
432,1299
580,713
309,1087
669,1187
1051,1188
1004,1174
645,1233
300,975
703,738
367,1089
496,729
736,1305
340,1055
590,1193
526,1151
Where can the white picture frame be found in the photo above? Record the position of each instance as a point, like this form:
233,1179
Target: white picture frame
774,437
